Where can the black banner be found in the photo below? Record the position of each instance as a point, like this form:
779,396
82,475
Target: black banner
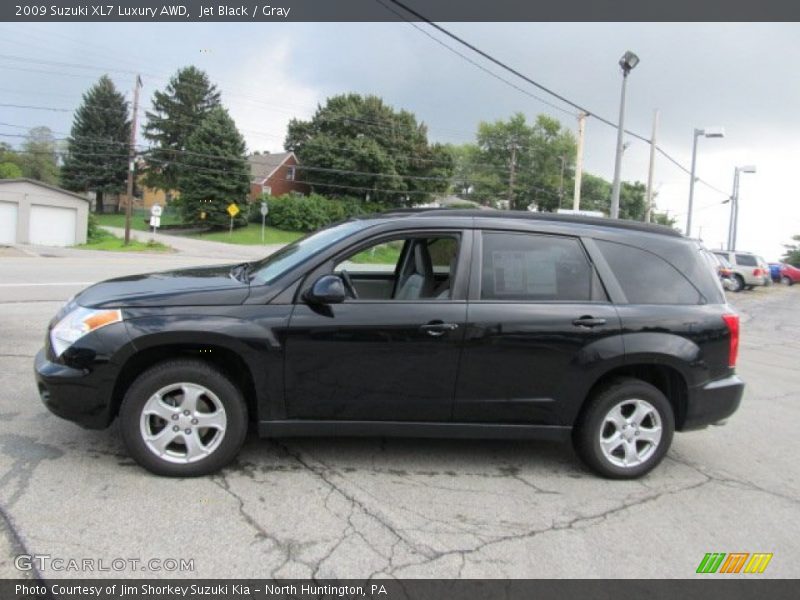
387,10
398,589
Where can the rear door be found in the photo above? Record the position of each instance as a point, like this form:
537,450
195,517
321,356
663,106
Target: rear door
538,321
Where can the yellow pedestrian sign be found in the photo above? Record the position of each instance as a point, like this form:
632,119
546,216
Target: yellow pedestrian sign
233,210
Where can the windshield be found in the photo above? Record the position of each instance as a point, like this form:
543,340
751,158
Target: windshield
288,257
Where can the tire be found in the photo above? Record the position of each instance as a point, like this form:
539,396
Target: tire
787,280
738,283
642,445
156,406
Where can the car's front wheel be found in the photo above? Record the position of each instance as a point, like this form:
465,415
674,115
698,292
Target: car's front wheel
787,280
625,430
183,418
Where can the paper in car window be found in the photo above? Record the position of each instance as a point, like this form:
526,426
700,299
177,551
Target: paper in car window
529,273
541,274
509,272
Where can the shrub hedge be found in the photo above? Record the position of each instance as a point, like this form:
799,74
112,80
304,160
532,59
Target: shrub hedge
309,213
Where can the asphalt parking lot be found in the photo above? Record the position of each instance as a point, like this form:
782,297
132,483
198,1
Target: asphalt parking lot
400,508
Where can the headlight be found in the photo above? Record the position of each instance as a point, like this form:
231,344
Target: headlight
78,323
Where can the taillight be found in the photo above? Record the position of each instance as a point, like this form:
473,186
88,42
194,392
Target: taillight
732,321
756,272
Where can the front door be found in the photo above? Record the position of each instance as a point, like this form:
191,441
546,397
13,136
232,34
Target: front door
390,351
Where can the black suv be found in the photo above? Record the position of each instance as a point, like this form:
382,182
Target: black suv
430,323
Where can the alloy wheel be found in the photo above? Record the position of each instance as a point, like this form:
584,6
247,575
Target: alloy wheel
183,422
630,433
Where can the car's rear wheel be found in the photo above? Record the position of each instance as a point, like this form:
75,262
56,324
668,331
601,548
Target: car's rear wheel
183,418
625,430
787,280
738,283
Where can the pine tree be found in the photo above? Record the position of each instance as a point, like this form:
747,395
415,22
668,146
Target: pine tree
97,149
177,112
215,172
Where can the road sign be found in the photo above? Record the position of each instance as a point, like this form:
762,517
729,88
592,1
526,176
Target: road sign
233,210
155,221
264,209
155,210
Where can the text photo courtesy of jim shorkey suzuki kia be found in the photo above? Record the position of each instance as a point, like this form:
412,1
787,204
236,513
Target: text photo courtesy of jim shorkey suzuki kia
398,299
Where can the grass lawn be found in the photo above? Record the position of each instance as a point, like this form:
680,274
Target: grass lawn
250,235
137,220
108,241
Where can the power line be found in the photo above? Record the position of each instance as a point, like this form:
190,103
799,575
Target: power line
542,87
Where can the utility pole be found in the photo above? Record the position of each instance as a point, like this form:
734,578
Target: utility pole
561,184
734,216
650,172
576,201
131,158
511,175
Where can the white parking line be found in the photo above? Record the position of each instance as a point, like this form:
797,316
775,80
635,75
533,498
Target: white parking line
2,285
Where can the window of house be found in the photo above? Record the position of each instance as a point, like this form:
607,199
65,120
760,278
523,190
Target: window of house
531,268
290,173
646,278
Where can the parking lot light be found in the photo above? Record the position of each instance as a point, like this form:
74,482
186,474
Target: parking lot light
734,219
709,132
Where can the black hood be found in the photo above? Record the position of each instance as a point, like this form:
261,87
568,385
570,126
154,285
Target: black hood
197,286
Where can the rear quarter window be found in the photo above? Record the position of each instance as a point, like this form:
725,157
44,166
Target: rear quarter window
746,260
646,278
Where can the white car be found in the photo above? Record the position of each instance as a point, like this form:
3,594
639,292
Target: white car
749,270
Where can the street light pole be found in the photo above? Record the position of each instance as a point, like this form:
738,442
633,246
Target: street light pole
735,204
628,61
709,132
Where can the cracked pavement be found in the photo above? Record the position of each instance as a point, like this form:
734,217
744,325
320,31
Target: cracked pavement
396,508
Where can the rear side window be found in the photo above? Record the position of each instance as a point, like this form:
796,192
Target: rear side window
746,260
646,278
524,267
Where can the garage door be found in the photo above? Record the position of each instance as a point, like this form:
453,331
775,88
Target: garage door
8,222
52,225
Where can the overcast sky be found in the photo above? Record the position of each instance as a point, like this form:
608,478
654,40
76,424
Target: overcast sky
742,77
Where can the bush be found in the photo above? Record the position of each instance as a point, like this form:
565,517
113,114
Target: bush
309,213
94,233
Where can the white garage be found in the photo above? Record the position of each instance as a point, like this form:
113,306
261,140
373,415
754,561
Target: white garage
32,212
8,223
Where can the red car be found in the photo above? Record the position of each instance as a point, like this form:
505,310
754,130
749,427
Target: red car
789,274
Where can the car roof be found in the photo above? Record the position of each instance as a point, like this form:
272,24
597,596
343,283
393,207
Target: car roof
488,215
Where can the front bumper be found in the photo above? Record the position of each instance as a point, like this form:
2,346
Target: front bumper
79,395
713,402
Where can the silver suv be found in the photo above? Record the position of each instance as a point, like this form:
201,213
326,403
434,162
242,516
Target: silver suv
749,270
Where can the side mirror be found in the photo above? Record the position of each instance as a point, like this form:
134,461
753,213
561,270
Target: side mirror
328,289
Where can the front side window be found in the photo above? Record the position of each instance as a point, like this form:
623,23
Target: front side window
404,268
531,268
646,278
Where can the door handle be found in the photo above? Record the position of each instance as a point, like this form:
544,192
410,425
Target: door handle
589,322
437,329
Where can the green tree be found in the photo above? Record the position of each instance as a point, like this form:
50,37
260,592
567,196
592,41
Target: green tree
97,149
176,113
358,146
216,172
40,158
10,162
10,170
540,155
792,255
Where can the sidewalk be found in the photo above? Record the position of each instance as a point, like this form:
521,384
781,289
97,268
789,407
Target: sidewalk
202,248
